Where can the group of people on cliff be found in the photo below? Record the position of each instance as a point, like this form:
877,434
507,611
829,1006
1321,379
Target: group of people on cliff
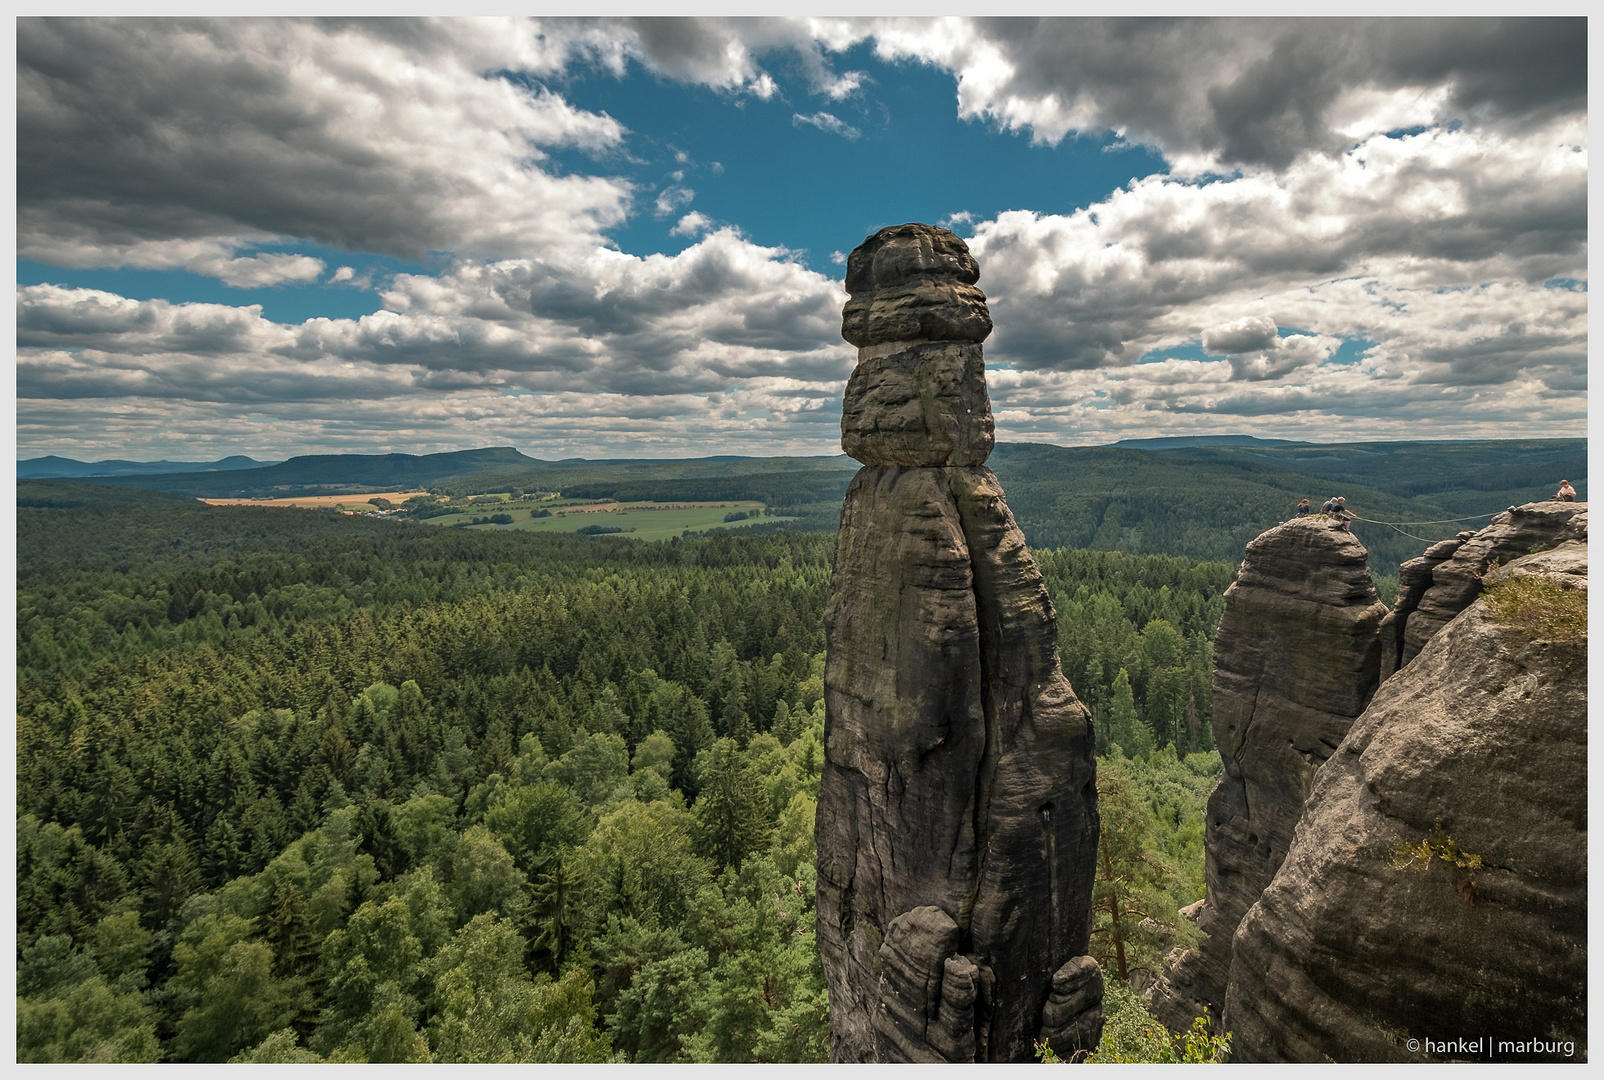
1335,508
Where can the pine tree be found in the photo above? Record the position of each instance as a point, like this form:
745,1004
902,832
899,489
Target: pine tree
1128,895
734,722
1125,728
732,812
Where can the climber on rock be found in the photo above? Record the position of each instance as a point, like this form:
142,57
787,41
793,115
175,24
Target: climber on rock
1566,493
1303,508
1336,508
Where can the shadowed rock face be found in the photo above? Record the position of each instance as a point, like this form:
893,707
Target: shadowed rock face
1296,660
957,819
1359,945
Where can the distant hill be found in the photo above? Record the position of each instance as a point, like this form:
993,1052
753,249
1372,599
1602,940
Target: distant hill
1207,502
1180,442
1202,500
75,494
51,466
338,474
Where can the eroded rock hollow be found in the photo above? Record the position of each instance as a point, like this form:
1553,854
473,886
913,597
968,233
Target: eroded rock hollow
957,822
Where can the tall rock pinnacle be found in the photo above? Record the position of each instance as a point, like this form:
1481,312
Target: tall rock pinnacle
957,822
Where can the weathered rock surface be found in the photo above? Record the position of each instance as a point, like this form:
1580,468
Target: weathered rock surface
925,405
1072,1019
913,283
958,766
957,820
1477,747
1296,659
1456,580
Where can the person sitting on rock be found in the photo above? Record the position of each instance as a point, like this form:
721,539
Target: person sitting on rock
1303,508
1566,493
1338,509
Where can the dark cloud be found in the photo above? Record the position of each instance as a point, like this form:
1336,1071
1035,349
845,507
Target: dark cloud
1258,92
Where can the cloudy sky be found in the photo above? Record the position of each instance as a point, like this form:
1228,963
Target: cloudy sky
626,237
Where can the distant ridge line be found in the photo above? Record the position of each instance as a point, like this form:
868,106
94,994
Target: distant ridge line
1177,442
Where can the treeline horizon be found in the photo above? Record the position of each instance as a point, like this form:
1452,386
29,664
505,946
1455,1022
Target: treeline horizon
1203,502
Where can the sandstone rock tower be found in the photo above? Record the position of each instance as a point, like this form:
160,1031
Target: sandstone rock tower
1438,879
957,822
1296,656
1398,848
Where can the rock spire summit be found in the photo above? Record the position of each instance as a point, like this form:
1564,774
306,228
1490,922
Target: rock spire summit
957,822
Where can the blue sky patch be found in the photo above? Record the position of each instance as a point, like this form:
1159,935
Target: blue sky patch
291,302
1189,351
803,186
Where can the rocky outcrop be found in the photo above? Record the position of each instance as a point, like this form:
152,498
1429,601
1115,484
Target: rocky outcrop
957,821
1436,888
1297,656
1414,578
1456,574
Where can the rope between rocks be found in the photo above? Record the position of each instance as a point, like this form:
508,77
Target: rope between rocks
1443,521
1393,525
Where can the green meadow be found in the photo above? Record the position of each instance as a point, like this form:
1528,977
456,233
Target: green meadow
639,520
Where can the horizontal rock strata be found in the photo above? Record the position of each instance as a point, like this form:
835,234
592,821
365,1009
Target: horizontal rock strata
922,405
913,283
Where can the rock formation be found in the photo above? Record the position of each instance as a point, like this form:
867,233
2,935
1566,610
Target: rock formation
1456,579
1296,659
1436,888
1418,872
957,821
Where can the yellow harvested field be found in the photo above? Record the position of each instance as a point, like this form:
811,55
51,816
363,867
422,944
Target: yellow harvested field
313,502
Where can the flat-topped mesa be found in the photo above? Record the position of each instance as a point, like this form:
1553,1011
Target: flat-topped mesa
957,822
918,395
1297,657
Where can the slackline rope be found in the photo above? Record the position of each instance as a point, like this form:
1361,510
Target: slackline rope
1443,521
1393,525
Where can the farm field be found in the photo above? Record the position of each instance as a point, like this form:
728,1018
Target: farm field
320,502
639,520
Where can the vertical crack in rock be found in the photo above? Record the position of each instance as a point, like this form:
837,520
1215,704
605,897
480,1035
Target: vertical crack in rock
1297,656
957,822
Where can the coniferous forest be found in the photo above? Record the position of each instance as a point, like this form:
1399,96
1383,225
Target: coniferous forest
298,787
